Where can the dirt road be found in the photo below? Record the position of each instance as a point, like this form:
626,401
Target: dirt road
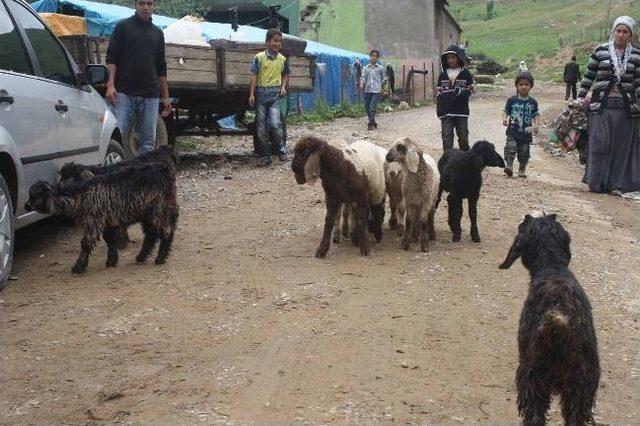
243,324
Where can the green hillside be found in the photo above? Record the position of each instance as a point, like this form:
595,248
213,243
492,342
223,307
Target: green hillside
538,31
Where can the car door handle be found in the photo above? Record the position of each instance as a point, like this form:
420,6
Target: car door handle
6,98
60,107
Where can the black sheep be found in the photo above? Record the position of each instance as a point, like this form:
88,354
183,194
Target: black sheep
556,339
461,176
144,193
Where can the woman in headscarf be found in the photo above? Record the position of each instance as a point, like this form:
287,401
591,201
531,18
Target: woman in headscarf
614,145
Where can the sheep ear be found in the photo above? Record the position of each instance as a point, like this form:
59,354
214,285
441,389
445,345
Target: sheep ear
528,218
412,159
312,168
553,216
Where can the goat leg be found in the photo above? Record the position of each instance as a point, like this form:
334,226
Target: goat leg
111,238
87,243
473,217
534,397
330,219
455,216
150,238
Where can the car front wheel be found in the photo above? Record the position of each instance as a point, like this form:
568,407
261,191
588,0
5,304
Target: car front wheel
7,231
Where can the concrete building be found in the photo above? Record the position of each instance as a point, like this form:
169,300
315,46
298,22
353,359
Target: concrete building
407,32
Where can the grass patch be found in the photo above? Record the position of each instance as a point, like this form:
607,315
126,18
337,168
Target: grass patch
322,112
528,30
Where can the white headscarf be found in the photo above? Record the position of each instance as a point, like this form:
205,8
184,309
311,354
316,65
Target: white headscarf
620,62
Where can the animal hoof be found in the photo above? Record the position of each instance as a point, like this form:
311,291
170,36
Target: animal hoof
456,238
424,248
475,239
78,269
364,251
320,254
111,264
159,261
140,259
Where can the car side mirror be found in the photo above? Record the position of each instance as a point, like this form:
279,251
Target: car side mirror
81,79
96,74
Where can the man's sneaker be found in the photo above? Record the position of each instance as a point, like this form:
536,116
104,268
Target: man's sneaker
508,171
370,126
264,162
283,157
616,192
375,125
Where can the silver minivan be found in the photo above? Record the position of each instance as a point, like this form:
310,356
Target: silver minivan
49,115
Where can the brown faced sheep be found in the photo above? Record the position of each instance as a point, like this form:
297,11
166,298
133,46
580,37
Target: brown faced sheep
143,193
343,182
419,190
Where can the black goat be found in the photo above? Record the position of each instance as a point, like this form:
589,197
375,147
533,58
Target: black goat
143,193
556,339
71,173
74,173
461,176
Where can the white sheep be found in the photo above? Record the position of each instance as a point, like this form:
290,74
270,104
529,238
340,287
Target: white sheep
370,160
419,189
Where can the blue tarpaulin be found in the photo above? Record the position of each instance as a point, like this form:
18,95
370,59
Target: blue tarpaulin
101,20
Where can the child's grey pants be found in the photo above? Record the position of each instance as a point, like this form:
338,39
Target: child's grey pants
514,147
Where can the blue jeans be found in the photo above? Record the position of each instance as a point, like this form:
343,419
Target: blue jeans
371,105
268,118
142,110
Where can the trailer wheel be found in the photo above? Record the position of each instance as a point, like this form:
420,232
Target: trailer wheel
162,137
274,149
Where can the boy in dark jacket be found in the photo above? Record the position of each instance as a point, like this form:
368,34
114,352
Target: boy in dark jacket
455,86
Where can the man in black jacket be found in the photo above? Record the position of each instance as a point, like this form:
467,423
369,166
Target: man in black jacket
137,74
571,77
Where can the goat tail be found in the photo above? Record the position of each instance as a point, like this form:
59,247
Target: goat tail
552,329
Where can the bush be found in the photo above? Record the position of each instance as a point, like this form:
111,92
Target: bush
491,67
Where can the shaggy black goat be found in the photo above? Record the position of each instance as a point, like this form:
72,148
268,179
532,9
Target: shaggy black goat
71,173
461,176
74,173
143,193
556,339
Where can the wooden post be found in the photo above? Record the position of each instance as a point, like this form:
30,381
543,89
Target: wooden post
412,87
424,82
404,72
433,79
